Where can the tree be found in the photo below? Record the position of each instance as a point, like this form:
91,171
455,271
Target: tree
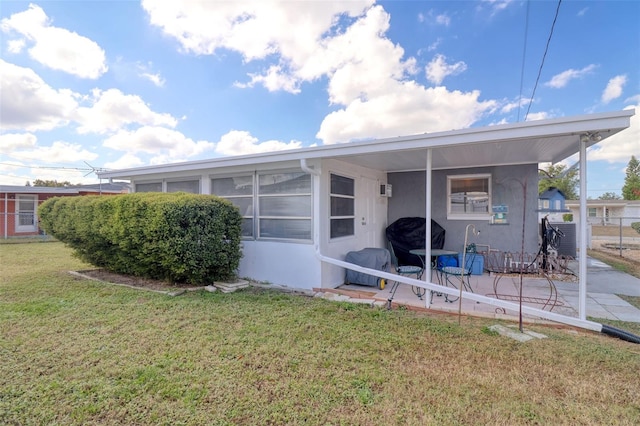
50,183
559,177
609,196
631,187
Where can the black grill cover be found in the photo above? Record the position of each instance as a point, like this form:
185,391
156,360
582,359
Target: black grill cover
408,233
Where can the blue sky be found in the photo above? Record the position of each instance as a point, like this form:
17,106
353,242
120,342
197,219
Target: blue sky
120,84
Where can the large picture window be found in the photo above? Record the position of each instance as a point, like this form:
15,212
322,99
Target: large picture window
190,186
284,205
238,190
469,197
342,200
149,187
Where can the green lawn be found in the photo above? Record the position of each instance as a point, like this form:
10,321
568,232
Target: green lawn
80,352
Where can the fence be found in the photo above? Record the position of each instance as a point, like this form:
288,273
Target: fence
618,231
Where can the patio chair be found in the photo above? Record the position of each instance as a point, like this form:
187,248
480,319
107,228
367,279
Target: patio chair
405,270
452,276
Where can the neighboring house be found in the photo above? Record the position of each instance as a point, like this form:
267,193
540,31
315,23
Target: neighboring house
304,208
608,212
552,205
19,204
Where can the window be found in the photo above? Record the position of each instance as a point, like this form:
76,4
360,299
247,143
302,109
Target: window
149,187
342,215
191,186
238,190
26,213
469,197
593,212
284,206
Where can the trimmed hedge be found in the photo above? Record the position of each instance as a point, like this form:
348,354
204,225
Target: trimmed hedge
180,237
636,226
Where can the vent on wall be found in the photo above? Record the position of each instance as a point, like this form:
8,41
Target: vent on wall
385,190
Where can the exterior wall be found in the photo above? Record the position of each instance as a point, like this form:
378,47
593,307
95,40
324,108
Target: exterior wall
370,217
294,263
409,195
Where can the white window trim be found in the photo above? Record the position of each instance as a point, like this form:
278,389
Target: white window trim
469,216
352,197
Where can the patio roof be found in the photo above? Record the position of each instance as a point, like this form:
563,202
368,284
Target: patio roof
508,144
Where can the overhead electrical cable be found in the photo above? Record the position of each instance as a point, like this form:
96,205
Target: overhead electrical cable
543,58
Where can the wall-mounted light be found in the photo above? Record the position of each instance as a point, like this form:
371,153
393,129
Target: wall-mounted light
590,137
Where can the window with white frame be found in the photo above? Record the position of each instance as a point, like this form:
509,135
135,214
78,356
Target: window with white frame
149,187
238,190
26,206
593,212
342,201
284,205
191,186
469,197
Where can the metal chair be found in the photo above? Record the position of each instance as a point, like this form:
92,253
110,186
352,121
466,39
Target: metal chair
452,276
406,270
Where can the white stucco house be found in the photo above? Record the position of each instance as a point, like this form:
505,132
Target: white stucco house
307,207
608,212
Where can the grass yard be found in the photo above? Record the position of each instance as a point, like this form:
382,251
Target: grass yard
81,352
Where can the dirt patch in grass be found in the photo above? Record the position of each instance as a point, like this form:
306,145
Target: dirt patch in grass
132,281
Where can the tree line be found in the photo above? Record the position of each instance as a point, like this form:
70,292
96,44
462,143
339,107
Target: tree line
567,180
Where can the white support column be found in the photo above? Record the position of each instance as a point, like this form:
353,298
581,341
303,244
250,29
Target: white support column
582,258
427,237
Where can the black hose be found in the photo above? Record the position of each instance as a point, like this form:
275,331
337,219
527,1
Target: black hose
621,334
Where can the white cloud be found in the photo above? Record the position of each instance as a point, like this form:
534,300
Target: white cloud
497,5
127,161
614,88
28,103
58,152
158,141
344,42
443,20
273,80
56,48
438,69
11,142
409,109
238,142
538,116
111,110
621,146
561,80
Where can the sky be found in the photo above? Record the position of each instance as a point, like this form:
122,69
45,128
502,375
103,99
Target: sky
95,85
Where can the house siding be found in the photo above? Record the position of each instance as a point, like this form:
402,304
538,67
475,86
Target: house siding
508,188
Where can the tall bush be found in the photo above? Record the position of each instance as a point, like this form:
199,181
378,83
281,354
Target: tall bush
179,237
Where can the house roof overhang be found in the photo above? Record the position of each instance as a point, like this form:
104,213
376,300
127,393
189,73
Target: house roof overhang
530,142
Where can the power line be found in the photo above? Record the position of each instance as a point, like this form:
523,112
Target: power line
543,58
80,169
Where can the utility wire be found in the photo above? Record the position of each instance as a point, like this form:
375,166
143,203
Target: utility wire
19,166
543,58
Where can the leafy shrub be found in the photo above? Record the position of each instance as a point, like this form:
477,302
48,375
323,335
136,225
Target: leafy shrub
636,226
567,217
178,237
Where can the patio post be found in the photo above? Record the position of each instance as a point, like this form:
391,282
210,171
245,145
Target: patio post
427,234
582,258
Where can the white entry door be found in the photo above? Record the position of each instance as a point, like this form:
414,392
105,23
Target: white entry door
370,212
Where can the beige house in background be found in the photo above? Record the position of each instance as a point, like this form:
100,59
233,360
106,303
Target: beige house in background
607,212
